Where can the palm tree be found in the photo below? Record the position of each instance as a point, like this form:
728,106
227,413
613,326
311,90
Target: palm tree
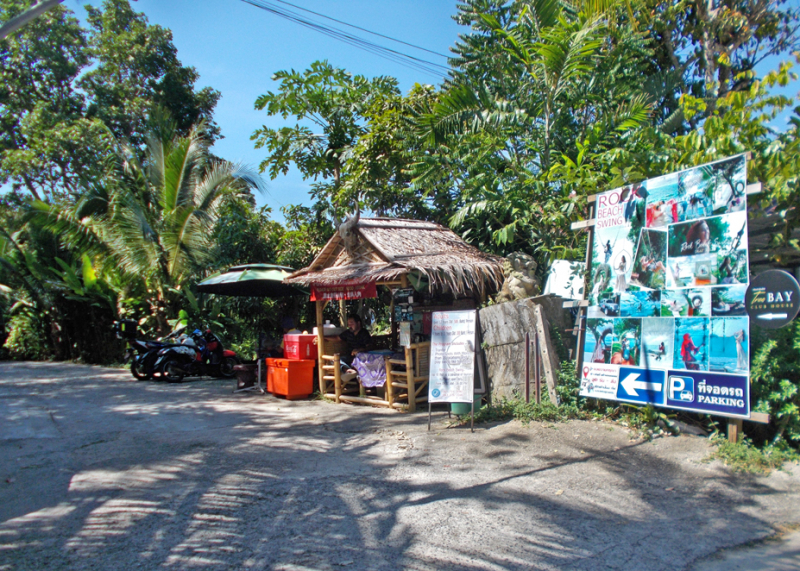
501,134
153,216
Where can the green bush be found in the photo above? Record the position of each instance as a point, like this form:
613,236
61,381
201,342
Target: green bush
743,456
568,387
775,380
26,338
525,412
516,408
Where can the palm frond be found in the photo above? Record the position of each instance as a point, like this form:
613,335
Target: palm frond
541,14
178,166
466,109
566,54
632,114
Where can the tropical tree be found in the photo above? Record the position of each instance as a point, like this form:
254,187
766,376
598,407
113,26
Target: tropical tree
537,84
50,295
45,140
334,103
63,86
153,218
378,168
137,68
706,49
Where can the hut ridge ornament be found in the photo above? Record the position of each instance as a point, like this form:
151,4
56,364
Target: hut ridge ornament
347,230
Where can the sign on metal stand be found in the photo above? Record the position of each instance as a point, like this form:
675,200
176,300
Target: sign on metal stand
452,368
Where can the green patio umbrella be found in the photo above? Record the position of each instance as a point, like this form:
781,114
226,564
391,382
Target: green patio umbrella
253,280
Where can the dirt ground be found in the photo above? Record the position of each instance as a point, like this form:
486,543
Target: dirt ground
98,471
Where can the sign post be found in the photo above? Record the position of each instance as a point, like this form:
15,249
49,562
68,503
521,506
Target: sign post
452,367
667,321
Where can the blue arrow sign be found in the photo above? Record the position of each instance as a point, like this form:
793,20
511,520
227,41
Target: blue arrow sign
641,386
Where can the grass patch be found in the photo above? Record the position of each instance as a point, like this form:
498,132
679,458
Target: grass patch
647,422
518,409
743,456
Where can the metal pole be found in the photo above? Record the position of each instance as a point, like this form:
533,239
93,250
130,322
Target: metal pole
581,326
527,367
472,416
429,416
17,22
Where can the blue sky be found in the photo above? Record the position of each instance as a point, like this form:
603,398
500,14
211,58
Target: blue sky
237,47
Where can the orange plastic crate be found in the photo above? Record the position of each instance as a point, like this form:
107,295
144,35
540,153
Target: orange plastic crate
291,378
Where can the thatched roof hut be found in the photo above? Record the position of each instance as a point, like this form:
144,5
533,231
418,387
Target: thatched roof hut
386,249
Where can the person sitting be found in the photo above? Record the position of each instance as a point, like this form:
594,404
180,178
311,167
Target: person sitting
357,340
356,337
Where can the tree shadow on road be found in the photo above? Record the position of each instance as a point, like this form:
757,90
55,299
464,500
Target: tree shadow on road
245,481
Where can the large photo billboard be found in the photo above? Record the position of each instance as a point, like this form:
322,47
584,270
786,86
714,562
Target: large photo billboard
666,322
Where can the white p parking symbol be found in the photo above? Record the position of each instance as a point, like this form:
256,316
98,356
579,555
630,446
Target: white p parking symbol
676,385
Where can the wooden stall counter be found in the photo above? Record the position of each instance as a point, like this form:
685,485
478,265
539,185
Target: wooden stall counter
406,380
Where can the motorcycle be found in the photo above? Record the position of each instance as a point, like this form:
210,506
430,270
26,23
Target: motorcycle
142,353
199,354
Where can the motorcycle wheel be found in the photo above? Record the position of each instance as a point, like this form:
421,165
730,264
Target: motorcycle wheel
137,370
226,367
172,372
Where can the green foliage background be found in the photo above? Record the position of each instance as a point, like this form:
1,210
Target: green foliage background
546,103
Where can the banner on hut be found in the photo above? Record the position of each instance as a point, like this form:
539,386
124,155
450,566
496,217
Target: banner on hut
346,291
452,365
667,285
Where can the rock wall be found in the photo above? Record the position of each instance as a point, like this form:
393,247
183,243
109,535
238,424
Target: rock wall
503,328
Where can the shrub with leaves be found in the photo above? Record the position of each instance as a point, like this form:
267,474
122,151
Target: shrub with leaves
525,412
743,456
26,337
775,377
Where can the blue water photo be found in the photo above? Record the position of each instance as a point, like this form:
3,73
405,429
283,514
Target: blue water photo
730,345
640,304
658,336
728,301
603,329
691,343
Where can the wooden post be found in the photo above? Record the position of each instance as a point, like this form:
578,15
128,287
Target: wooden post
393,322
412,387
389,380
343,313
337,377
581,322
537,368
320,345
528,367
549,364
734,429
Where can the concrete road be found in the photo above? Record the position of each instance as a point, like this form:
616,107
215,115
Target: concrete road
777,553
98,471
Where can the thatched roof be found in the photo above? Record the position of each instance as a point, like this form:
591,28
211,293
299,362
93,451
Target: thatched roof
386,248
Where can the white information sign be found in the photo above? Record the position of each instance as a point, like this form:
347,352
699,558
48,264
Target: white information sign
452,357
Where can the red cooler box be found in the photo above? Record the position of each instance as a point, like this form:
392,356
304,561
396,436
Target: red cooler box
291,378
300,346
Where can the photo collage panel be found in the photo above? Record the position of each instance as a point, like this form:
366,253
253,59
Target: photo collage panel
669,272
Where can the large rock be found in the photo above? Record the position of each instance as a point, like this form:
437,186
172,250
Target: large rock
503,328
